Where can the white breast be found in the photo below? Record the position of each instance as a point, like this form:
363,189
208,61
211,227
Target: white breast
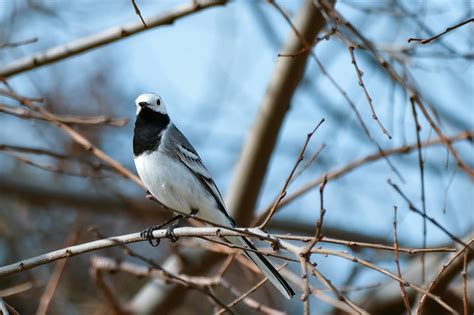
176,187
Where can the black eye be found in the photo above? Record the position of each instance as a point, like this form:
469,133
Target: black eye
158,102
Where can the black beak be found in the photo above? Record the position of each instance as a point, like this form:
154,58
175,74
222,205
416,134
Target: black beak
143,104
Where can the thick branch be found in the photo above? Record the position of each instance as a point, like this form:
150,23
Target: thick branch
260,142
109,242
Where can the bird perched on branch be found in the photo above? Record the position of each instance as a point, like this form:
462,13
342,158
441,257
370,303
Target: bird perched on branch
174,174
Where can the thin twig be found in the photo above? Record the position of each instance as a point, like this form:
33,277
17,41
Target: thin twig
52,168
319,294
20,149
137,12
465,135
269,214
441,135
422,181
77,137
250,302
53,282
369,99
319,224
337,86
433,221
67,119
250,291
19,43
341,296
449,29
451,179
465,300
322,210
337,18
355,245
309,162
445,274
306,292
19,288
305,49
403,292
96,275
386,273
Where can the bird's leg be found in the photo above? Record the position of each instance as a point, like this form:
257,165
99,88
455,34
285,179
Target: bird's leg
148,233
169,232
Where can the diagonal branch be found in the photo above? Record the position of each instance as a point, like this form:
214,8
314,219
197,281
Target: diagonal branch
465,135
77,137
449,29
99,39
269,214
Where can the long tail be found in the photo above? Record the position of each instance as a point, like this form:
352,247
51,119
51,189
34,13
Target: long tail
265,266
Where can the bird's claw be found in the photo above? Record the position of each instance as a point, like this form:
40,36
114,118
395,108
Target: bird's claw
148,235
170,233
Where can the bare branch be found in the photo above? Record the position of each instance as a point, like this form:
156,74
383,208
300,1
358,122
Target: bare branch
403,292
77,137
465,135
137,12
465,300
105,37
19,288
433,221
250,291
386,273
369,99
447,272
282,194
337,292
67,119
18,43
115,241
422,181
53,282
337,18
449,29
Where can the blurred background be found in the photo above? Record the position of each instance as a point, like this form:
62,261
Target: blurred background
213,69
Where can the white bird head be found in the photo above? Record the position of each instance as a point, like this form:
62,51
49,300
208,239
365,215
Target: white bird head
151,101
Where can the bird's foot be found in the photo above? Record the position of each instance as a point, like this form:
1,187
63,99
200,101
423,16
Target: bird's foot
170,232
148,235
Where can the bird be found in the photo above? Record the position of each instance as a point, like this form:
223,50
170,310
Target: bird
175,175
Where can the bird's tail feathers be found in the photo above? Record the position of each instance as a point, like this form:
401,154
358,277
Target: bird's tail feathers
265,266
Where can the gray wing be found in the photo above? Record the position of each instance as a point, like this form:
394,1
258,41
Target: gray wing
188,156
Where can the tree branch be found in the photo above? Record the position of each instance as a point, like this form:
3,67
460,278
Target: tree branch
67,119
99,39
449,29
106,243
